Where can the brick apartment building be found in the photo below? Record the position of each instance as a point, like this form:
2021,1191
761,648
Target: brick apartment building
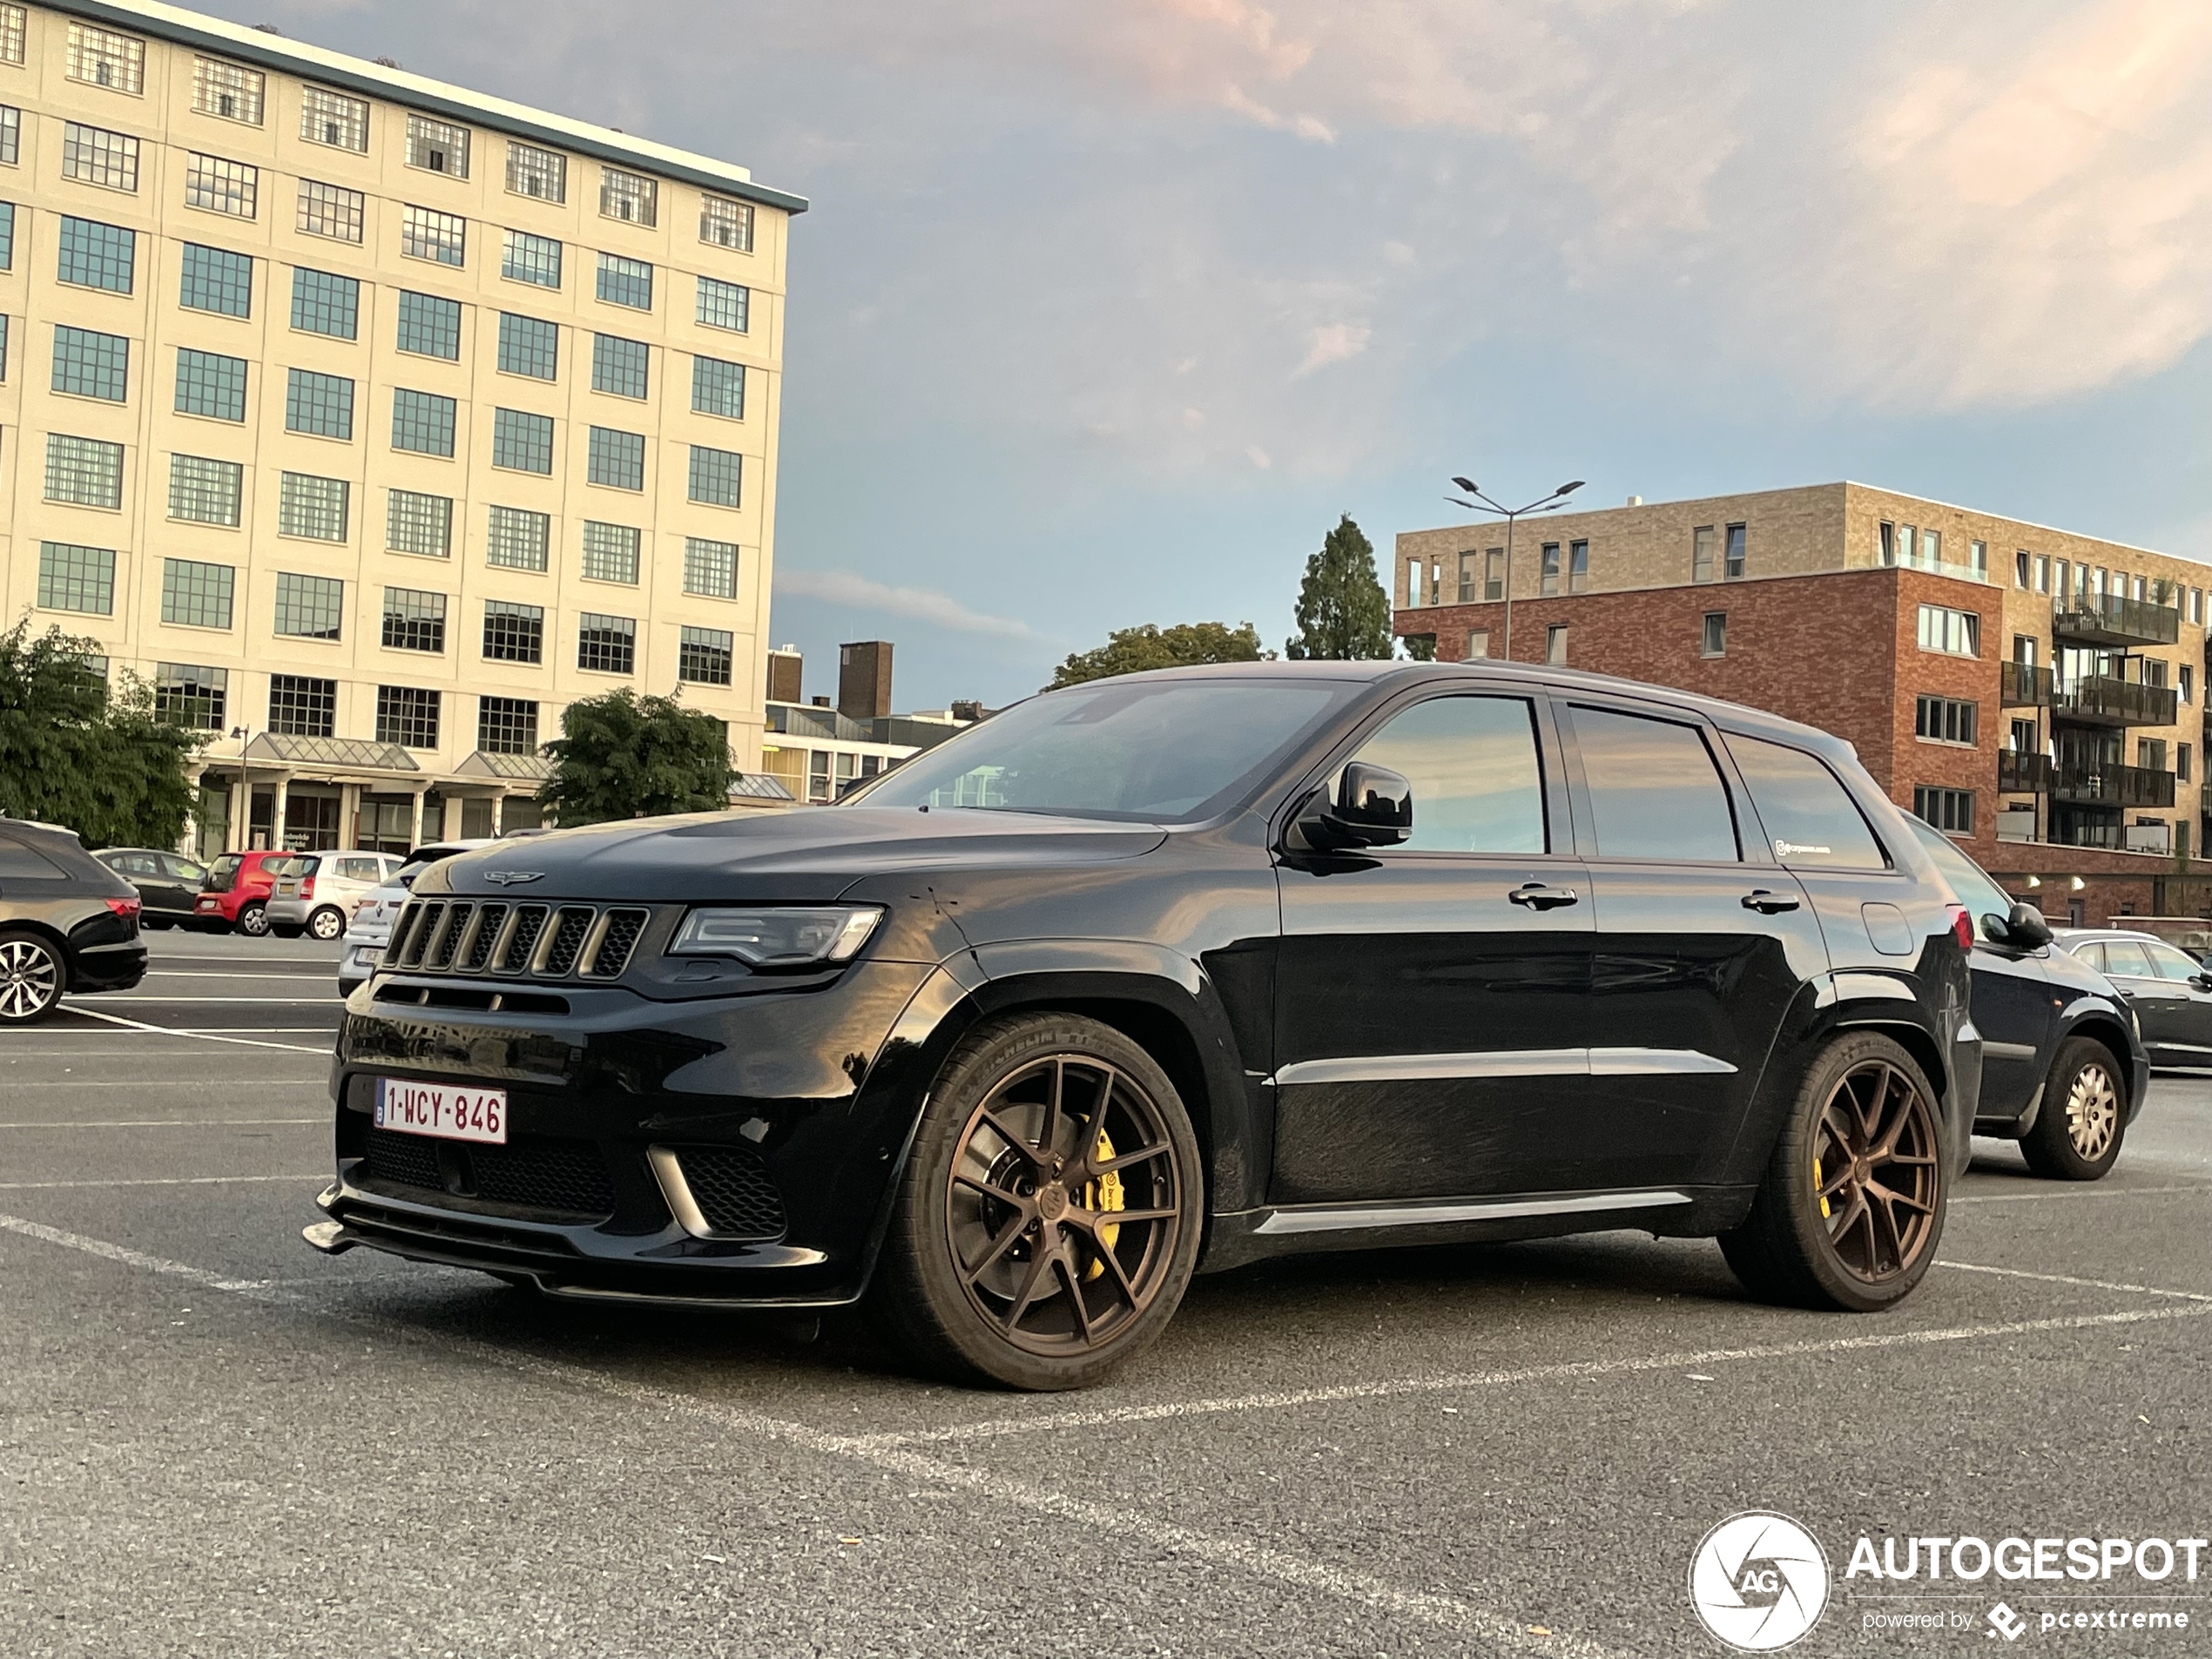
2035,693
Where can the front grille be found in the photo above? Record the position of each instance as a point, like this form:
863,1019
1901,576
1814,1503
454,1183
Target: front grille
409,1160
733,1190
535,1172
461,936
440,953
490,919
616,939
573,922
529,922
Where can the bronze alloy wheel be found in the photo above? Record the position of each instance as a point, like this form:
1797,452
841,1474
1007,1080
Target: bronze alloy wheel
2092,1112
1064,1204
1877,1170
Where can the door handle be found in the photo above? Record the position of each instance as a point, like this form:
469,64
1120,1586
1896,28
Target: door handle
1538,896
1768,904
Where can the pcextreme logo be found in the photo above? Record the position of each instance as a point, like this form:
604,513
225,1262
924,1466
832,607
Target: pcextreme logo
1759,1582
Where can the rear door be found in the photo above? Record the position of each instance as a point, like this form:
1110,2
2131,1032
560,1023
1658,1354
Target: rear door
1700,949
2182,1009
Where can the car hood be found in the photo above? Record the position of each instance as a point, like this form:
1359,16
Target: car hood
805,854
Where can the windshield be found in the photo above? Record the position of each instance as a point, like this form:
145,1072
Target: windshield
1981,896
1160,751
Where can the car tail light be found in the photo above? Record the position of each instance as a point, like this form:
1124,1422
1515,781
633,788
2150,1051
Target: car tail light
307,887
127,909
1962,927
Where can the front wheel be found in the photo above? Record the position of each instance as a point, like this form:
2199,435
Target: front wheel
1046,1223
253,920
1852,1205
326,923
2078,1131
32,978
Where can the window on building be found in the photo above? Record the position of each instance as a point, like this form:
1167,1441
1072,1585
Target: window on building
213,278
427,234
710,567
3,344
1578,567
91,365
521,442
1470,567
2026,740
528,346
10,134
540,174
333,119
1945,720
628,197
2042,573
1885,543
415,620
324,304
704,656
437,146
625,282
319,405
7,236
418,524
12,25
724,305
519,540
206,491
610,553
309,607
1478,645
196,594
95,156
727,223
1654,791
506,725
407,715
606,644
1494,575
514,633
2023,568
226,90
93,255
1550,578
1702,542
1956,633
2188,683
1556,644
102,57
1977,558
332,211
619,366
422,422
718,476
311,507
2196,595
85,472
209,384
429,326
222,186
2181,753
302,707
2150,753
194,698
2061,580
77,578
1735,557
617,459
1713,641
531,258
1950,811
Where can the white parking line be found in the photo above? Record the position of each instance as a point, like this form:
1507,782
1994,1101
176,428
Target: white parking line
155,1180
2083,1284
197,1036
209,973
172,1122
2080,1192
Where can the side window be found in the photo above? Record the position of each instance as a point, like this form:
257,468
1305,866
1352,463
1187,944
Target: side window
2124,959
1654,791
2169,963
140,866
1471,762
2092,955
1809,815
360,870
185,870
24,863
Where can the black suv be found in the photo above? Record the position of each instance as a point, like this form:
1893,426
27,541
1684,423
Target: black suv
1177,971
67,922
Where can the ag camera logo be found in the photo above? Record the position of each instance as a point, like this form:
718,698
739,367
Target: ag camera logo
1759,1582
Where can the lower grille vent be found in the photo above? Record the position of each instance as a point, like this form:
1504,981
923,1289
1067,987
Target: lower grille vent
734,1191
570,1177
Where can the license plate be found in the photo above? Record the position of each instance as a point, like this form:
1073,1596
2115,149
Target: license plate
441,1110
368,956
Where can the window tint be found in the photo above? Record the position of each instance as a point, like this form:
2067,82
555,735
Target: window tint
1810,818
24,864
1970,884
2168,963
2092,955
1472,761
1654,791
2124,959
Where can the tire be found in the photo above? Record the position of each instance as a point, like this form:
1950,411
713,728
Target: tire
1859,1238
998,1268
285,930
254,919
326,923
2083,1119
33,975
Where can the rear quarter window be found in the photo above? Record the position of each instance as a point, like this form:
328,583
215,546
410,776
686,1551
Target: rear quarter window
1654,791
27,863
1810,817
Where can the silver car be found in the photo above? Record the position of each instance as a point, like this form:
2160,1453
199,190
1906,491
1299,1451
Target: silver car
318,892
375,912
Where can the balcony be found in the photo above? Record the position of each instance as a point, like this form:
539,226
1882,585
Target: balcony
2023,774
2108,619
2022,685
2099,784
2099,700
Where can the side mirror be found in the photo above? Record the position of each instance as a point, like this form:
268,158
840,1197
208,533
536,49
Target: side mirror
2026,927
1373,807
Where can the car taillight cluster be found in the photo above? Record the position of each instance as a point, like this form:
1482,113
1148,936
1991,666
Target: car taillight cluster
307,887
127,909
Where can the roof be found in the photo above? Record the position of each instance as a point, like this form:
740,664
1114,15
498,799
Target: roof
354,753
272,52
758,786
503,765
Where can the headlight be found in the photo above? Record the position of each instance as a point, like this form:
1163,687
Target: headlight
778,935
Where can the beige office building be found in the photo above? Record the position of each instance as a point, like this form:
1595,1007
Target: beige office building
373,420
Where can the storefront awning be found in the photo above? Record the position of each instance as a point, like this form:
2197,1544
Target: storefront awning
350,754
530,768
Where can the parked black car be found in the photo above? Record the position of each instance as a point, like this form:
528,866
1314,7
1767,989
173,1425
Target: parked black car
2063,1069
1182,970
2170,990
167,883
67,922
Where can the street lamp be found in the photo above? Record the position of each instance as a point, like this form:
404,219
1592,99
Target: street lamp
1482,504
243,827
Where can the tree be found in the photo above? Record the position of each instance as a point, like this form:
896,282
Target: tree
1131,650
75,751
1343,613
623,755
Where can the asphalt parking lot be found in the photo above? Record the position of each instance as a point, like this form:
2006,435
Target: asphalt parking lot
213,1441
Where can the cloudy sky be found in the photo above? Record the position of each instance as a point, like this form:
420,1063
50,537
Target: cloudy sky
1105,311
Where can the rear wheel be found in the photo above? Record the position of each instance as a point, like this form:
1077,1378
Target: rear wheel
2078,1131
1047,1220
254,919
326,923
32,977
1852,1205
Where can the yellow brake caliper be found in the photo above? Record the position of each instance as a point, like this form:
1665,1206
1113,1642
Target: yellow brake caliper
1105,1194
1817,1186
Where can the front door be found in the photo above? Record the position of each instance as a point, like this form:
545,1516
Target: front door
2173,1010
1431,999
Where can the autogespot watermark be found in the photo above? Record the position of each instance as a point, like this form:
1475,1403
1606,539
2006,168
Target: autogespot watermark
1759,1582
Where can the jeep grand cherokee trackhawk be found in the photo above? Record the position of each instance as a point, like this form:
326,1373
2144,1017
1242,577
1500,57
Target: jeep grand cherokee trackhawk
1173,971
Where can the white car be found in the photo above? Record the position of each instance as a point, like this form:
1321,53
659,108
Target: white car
320,890
375,912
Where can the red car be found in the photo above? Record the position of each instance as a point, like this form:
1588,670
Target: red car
236,895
